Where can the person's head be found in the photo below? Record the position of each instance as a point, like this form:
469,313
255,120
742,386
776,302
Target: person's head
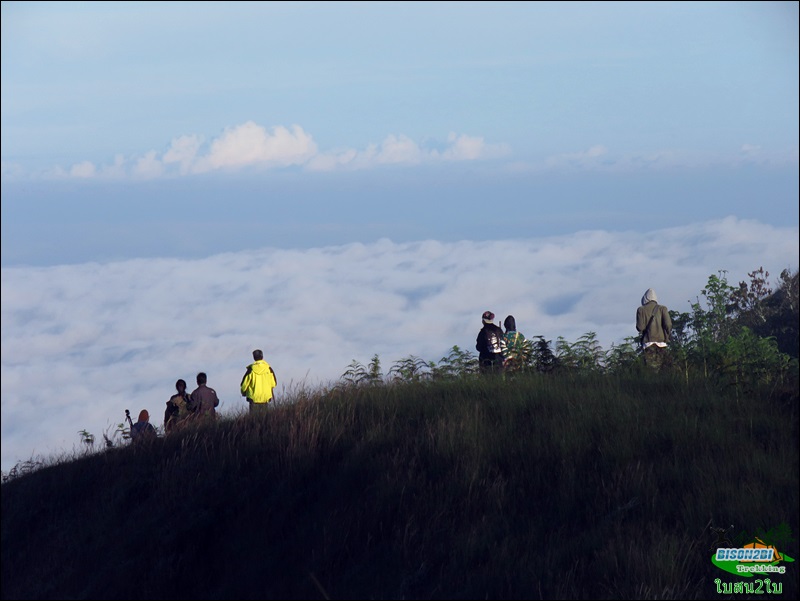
180,385
510,324
488,317
650,295
201,378
258,355
144,416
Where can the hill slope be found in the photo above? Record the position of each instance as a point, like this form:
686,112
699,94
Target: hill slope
594,487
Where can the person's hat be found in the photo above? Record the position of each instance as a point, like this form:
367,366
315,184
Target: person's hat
488,317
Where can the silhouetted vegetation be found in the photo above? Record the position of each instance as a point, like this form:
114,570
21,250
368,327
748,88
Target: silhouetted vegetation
583,475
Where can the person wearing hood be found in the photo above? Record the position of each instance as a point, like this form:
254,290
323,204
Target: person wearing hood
654,326
518,351
258,382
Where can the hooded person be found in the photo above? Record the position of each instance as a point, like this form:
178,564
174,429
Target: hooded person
258,382
490,345
142,429
654,326
517,352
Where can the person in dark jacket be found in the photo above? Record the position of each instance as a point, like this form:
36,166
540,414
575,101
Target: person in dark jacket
489,345
654,326
204,400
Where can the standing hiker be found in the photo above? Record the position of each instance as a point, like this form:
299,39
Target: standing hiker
654,325
489,345
204,400
258,382
177,407
517,350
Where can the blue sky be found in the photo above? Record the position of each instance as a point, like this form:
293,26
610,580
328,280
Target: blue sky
398,167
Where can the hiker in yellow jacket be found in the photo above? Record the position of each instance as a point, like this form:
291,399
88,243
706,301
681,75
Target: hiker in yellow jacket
258,382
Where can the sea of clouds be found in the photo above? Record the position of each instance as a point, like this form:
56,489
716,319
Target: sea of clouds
82,343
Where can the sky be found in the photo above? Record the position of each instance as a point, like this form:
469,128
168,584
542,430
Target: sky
184,182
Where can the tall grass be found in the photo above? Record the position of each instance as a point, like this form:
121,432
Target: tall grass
592,487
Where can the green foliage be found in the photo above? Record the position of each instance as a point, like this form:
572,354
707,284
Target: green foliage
583,356
782,320
411,369
623,357
457,364
735,336
732,339
543,359
357,374
710,324
746,361
87,438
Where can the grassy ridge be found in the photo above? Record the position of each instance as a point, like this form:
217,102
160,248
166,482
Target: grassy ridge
536,487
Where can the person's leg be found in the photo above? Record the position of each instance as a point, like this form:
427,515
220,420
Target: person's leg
654,357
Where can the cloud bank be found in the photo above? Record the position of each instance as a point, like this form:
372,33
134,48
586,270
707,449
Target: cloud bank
253,146
81,343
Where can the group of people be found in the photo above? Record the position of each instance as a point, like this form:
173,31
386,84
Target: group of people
507,350
498,349
257,386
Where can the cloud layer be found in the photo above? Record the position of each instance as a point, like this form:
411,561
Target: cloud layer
250,146
253,146
81,343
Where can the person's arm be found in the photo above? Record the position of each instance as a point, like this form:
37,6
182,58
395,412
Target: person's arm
274,377
245,383
641,322
666,322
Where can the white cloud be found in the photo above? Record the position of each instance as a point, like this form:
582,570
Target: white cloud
115,171
183,151
469,148
84,170
402,150
251,144
399,149
148,166
82,343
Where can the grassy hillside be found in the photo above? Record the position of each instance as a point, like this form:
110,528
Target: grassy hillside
599,487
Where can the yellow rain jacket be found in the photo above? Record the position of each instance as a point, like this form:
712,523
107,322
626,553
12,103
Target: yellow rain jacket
258,382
